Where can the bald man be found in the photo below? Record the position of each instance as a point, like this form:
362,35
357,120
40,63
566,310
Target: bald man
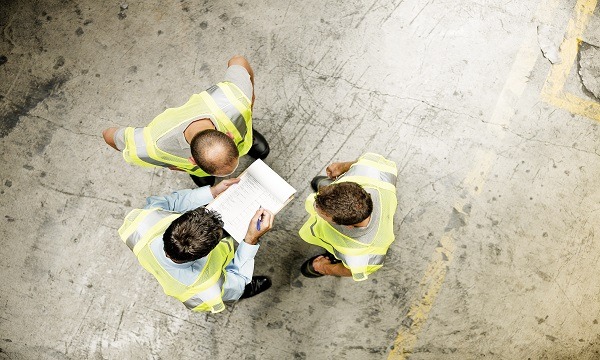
204,137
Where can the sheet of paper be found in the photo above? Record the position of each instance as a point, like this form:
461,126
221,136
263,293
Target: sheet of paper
239,203
271,180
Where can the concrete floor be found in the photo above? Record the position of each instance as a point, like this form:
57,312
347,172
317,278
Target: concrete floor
496,254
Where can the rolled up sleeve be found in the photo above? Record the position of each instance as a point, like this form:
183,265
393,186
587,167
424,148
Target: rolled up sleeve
181,200
239,271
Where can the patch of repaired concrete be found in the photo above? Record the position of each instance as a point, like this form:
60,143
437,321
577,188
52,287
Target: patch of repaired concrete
589,69
592,32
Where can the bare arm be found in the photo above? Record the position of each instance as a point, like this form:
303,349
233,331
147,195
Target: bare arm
109,137
336,169
241,61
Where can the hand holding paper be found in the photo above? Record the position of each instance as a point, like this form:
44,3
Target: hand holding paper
216,190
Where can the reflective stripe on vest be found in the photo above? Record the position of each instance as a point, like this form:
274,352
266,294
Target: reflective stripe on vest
358,260
207,296
230,126
359,264
141,148
243,113
147,226
371,172
222,93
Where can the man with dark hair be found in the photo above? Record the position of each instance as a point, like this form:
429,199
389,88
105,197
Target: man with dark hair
351,217
181,243
193,235
346,202
178,138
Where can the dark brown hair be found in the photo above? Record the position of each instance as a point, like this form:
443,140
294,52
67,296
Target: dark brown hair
193,235
205,141
346,202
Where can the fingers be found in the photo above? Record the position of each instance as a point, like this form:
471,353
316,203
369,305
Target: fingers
333,170
253,227
267,218
216,190
257,214
320,263
230,182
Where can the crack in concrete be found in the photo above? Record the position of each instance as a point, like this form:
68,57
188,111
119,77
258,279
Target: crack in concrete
63,127
79,195
380,93
550,143
6,30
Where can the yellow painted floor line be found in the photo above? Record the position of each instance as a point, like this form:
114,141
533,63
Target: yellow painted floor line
553,90
435,275
430,286
576,105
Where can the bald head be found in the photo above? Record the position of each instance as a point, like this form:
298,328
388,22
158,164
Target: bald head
214,152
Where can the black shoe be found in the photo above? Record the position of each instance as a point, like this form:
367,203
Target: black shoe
309,271
260,147
203,181
256,286
319,181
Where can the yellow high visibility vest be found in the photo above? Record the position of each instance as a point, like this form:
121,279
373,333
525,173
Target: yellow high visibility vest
142,227
141,143
371,171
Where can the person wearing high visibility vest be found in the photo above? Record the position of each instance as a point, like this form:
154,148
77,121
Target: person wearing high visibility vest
351,217
180,242
204,137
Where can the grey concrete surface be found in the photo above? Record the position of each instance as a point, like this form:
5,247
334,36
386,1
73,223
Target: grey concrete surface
426,83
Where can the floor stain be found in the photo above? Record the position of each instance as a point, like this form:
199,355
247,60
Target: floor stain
39,92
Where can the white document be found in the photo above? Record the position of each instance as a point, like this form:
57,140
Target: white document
259,186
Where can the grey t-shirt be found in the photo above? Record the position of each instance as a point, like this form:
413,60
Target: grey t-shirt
174,142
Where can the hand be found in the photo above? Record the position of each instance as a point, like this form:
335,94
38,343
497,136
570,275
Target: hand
324,266
222,186
321,264
336,169
266,224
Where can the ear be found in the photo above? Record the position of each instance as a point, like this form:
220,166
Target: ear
191,159
229,134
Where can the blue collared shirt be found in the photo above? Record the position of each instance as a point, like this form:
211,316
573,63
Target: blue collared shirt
239,270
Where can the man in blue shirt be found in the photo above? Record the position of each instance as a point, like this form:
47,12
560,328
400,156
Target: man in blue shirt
186,252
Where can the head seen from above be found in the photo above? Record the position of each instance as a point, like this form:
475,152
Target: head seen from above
215,152
344,203
193,235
